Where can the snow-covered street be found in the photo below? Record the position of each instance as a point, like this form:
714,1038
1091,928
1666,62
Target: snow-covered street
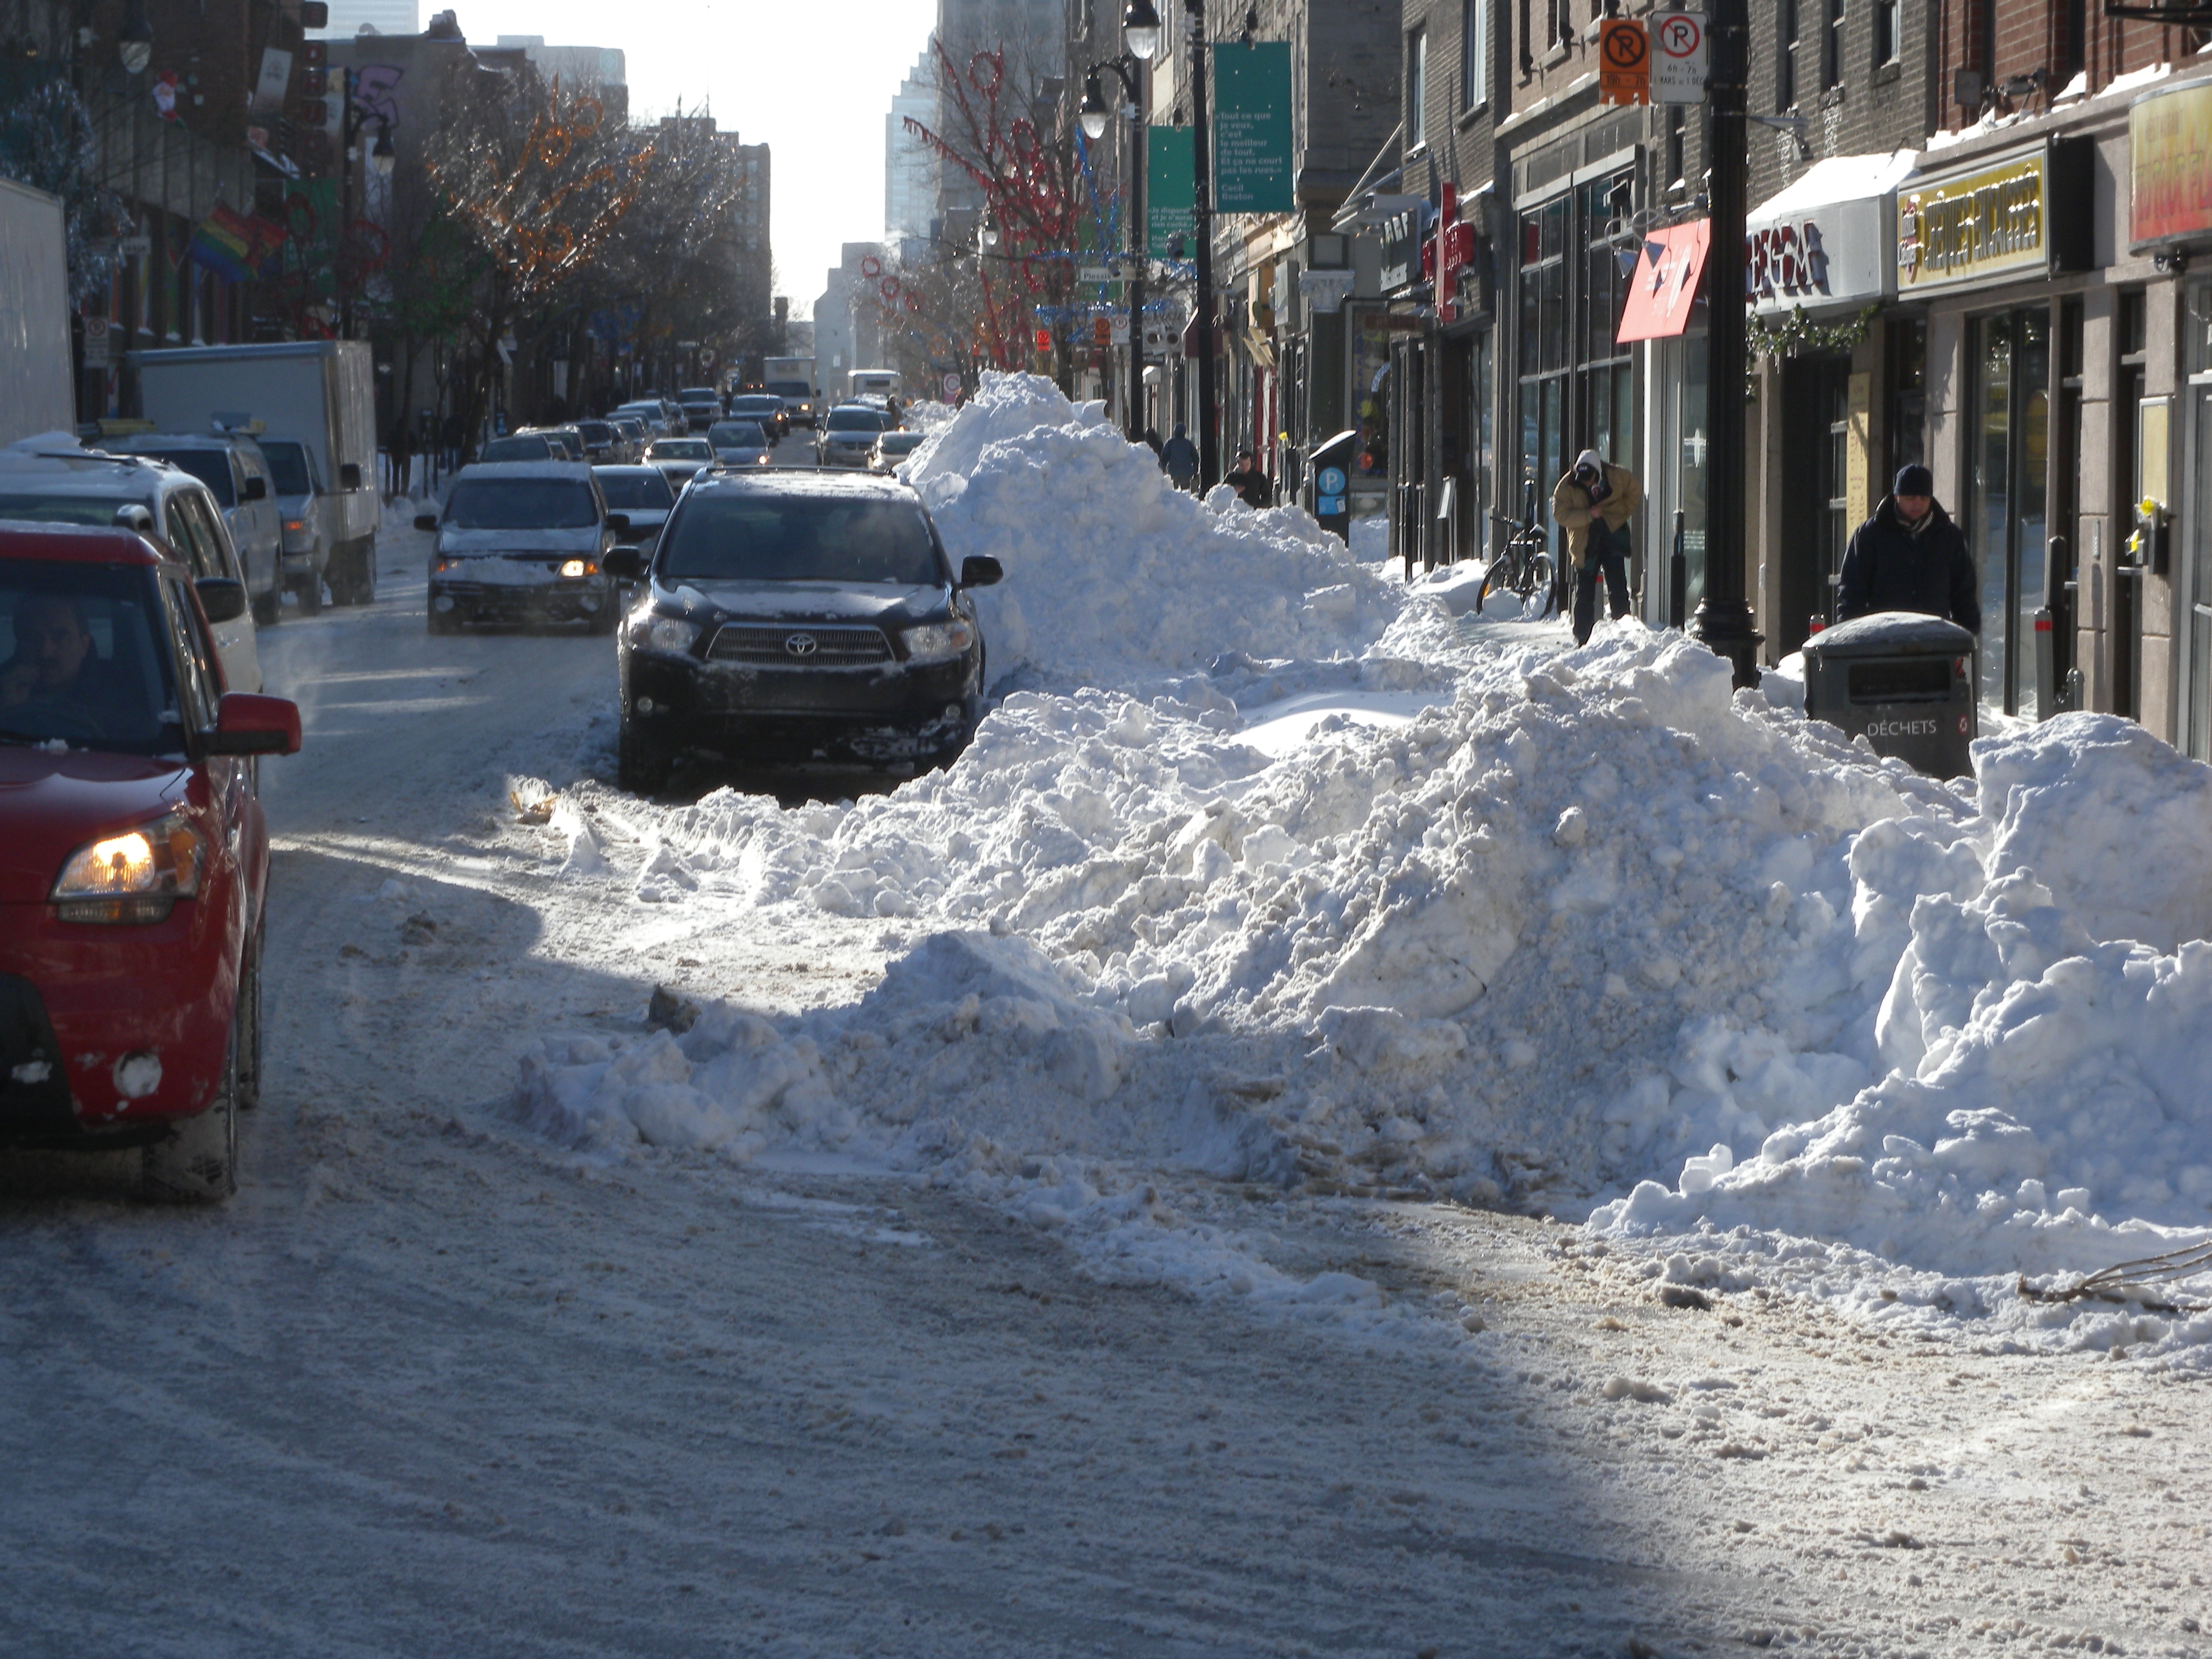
1335,1128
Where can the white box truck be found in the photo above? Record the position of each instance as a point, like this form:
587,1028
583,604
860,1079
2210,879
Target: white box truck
318,394
34,317
791,379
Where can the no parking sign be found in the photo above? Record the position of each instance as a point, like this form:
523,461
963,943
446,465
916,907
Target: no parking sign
1678,60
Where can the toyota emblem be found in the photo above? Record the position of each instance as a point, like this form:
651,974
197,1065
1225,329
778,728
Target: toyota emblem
801,644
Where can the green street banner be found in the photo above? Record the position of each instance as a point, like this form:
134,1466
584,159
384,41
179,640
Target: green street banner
1170,191
1252,128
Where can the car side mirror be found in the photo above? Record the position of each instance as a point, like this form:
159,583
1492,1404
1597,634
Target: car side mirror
625,564
222,598
349,476
981,570
257,489
426,521
617,522
248,724
135,515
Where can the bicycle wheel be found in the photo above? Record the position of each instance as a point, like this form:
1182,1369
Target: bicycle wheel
1545,578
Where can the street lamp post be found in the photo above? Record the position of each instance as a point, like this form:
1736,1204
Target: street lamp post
382,157
1209,446
1724,621
1140,31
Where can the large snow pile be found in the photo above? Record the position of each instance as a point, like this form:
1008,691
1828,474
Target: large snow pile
1594,924
1113,577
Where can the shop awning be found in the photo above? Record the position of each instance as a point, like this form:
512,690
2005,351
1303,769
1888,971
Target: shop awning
1664,286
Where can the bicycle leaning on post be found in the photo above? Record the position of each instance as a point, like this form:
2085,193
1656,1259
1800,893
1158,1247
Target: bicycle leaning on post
1524,566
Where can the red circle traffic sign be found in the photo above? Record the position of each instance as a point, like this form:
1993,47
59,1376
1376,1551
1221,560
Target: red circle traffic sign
1680,34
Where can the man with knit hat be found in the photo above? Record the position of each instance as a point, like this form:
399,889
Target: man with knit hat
1910,556
1591,506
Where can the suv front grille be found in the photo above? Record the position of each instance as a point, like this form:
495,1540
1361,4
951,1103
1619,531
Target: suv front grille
785,646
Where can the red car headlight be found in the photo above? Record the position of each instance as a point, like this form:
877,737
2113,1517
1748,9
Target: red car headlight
137,875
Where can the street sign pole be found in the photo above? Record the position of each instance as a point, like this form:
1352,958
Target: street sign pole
1209,442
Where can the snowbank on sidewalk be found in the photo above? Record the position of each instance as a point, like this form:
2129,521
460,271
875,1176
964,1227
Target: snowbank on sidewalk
1113,577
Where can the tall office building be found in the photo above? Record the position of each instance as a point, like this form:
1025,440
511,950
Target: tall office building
911,167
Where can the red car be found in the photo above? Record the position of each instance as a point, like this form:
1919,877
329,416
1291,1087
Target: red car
133,857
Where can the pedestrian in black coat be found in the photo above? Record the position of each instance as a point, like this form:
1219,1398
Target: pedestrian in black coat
1910,556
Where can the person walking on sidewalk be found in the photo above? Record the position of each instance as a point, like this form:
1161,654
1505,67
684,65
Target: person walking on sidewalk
1592,506
1179,456
1910,556
1251,485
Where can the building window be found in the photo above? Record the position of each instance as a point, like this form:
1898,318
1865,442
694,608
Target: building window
1528,44
1831,55
1417,80
1785,67
1474,53
1885,32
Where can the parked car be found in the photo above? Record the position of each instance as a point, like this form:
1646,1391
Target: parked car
848,433
567,442
522,446
766,408
134,858
702,406
299,488
892,448
680,457
47,483
740,443
643,495
791,616
522,542
236,473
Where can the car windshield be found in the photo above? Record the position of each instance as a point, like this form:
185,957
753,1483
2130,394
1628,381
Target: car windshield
682,449
530,448
522,504
60,509
855,420
596,432
81,661
210,467
637,489
899,443
732,537
798,389
756,406
288,468
736,435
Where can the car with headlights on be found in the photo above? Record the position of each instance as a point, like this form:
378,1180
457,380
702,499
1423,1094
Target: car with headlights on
739,443
891,448
680,457
764,407
523,542
795,617
848,433
134,857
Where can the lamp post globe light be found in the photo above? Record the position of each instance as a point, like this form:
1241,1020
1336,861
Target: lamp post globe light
382,156
1093,112
1140,31
135,45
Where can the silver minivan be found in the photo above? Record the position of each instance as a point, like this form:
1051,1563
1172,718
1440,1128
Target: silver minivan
236,472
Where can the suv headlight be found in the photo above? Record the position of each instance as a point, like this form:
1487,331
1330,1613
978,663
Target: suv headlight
937,642
671,634
135,876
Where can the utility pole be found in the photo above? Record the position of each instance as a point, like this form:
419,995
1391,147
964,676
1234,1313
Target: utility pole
1209,445
1724,621
1139,249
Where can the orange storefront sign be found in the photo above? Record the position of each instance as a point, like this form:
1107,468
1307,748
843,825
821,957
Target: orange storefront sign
2170,166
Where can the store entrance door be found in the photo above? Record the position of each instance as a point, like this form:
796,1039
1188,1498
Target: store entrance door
2009,462
1816,491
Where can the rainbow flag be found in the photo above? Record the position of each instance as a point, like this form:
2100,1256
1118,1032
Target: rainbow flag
233,246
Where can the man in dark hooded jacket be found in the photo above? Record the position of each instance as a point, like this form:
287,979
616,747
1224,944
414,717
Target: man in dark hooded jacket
1910,556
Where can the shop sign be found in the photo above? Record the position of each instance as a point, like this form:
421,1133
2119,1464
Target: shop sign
2170,167
2027,215
1402,250
1823,256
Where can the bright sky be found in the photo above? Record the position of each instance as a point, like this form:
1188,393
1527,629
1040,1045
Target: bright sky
814,82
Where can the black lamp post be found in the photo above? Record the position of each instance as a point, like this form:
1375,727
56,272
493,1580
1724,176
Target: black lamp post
1724,621
1140,28
1209,442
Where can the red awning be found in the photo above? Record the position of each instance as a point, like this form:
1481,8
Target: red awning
1665,284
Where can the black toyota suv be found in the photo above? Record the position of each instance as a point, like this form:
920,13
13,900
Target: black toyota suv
794,616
